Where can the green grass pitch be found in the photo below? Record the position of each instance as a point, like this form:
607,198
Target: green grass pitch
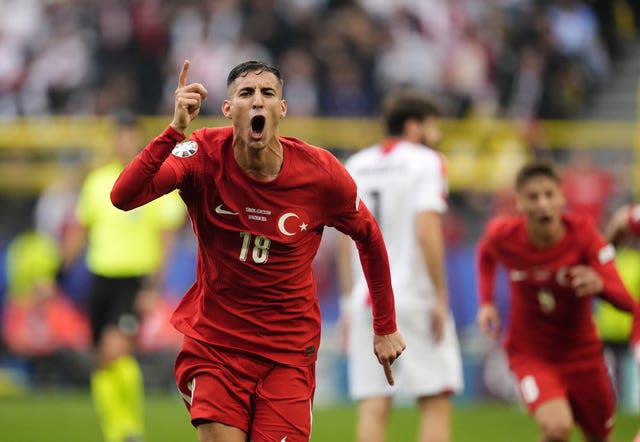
69,417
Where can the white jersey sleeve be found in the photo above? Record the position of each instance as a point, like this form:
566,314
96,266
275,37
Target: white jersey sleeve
431,190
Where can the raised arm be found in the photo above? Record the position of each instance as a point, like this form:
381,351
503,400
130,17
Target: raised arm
188,100
147,176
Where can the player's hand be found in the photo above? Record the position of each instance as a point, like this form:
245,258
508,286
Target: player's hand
585,280
438,319
188,100
489,321
388,348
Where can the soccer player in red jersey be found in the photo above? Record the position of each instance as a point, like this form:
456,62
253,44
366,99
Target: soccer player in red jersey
258,203
623,225
556,263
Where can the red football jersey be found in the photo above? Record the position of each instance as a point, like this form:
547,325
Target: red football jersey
254,288
546,318
634,225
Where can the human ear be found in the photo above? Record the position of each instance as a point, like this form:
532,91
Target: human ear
226,109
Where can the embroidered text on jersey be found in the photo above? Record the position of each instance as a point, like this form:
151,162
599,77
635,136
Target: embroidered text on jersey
185,149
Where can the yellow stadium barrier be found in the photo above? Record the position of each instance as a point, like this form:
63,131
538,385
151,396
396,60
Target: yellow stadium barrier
482,153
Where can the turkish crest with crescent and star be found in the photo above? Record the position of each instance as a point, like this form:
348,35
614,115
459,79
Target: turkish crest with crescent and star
290,223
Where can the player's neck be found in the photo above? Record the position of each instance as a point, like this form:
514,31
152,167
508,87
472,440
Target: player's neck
546,237
263,164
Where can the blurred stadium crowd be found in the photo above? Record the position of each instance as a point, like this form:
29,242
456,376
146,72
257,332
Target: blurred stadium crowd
514,58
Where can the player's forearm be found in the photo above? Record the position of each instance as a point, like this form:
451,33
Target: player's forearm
144,179
431,241
436,270
486,274
615,292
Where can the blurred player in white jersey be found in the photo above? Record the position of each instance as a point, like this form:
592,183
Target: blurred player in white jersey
404,183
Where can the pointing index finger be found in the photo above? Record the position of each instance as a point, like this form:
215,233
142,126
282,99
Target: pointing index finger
387,372
182,79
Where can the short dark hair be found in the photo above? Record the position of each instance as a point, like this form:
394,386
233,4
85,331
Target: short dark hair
253,66
407,105
535,169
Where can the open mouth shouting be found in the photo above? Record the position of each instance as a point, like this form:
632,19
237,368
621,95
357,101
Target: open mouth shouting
257,126
545,219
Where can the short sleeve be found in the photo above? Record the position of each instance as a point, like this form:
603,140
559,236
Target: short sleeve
431,188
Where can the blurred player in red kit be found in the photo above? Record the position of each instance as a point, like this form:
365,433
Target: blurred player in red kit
556,263
624,225
258,203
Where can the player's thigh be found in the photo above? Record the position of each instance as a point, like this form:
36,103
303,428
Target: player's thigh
282,408
98,306
112,303
593,401
428,367
216,386
366,376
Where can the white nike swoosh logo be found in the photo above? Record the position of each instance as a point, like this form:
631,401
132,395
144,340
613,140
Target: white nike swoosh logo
284,439
222,211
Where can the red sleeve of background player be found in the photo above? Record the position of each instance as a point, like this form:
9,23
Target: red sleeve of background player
633,219
351,216
635,331
486,263
601,256
147,176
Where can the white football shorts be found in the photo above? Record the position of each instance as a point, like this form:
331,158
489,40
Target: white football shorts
425,368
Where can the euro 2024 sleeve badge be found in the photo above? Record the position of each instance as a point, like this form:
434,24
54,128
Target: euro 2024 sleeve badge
185,149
